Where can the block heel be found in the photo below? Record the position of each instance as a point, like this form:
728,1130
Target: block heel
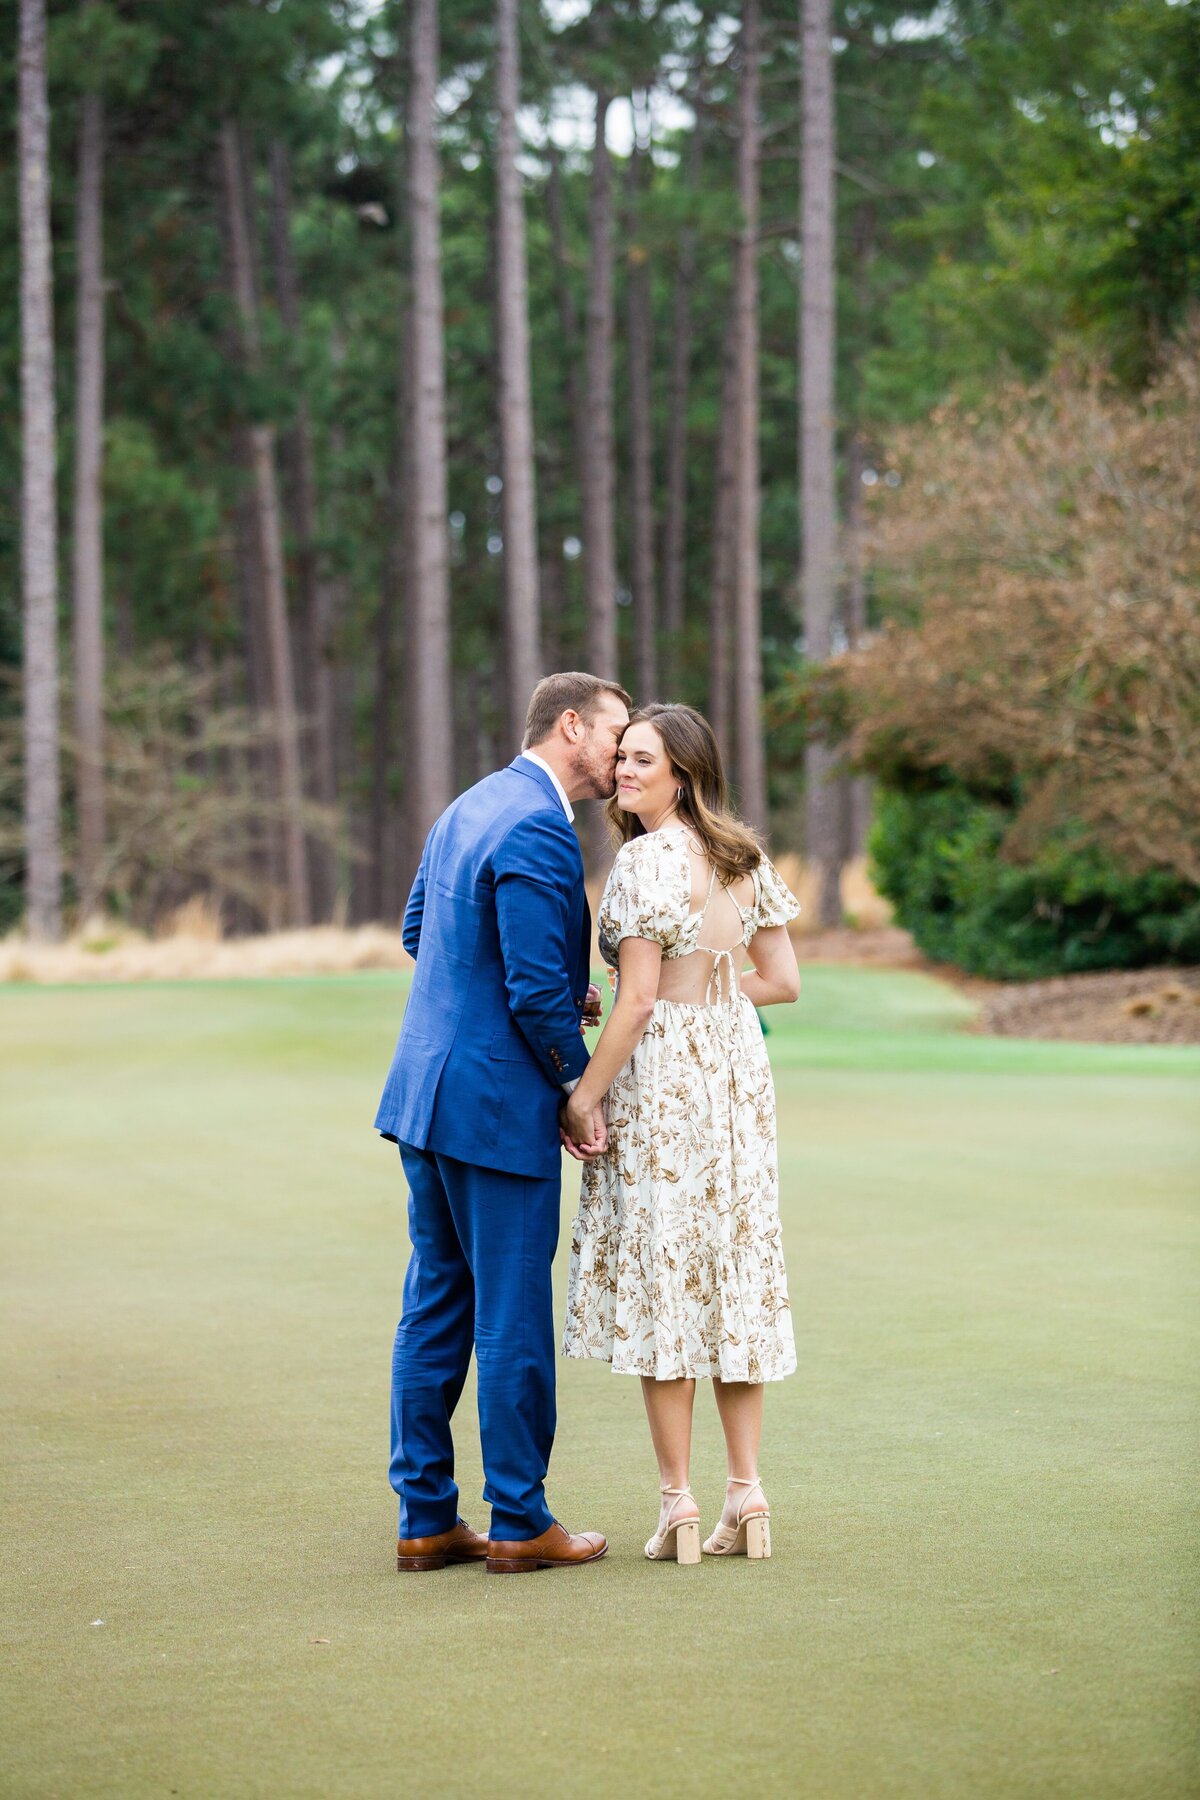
676,1540
758,1537
750,1535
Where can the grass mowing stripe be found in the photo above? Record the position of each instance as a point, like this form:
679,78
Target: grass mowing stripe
983,1475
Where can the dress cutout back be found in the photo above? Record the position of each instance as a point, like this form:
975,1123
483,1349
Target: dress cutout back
722,981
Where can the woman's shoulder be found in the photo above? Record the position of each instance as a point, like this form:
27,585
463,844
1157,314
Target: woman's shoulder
646,894
775,902
648,842
652,850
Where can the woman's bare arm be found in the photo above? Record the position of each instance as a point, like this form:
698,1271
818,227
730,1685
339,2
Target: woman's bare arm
775,977
637,991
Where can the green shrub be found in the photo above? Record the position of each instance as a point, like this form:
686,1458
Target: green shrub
938,857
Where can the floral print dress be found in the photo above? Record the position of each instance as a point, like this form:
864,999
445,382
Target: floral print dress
676,1255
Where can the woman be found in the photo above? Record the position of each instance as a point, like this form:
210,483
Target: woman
677,1263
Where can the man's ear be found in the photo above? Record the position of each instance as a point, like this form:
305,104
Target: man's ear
571,725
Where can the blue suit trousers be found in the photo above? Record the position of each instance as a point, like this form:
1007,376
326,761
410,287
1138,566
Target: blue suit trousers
482,1246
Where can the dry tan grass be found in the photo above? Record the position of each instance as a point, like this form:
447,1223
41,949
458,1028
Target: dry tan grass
189,946
110,953
864,907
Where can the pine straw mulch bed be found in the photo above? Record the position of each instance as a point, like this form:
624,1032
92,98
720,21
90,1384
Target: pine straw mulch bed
1131,1006
1127,1006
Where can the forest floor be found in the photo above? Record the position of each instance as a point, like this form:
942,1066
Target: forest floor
983,1476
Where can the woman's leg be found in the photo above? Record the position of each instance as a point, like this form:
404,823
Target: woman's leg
740,1404
669,1410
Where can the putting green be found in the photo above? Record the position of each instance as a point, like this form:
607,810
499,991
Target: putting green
983,1476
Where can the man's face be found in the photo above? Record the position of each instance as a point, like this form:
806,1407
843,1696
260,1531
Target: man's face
595,758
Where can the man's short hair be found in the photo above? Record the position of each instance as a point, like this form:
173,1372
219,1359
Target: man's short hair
572,691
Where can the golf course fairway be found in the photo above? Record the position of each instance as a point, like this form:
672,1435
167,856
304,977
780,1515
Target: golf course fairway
983,1476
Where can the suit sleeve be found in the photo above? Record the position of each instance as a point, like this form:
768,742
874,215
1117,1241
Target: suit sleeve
414,912
537,877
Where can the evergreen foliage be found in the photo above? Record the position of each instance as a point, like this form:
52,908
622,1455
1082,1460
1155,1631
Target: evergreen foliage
1012,180
938,855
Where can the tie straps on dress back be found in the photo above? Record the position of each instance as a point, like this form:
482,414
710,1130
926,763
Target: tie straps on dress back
723,974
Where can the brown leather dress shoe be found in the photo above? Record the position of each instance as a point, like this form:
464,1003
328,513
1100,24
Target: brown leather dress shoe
459,1544
555,1549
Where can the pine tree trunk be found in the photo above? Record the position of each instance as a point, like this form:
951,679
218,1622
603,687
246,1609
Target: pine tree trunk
39,519
554,606
724,553
824,794
747,626
332,605
858,803
315,589
641,443
522,623
599,548
378,882
674,530
397,838
269,539
858,788
567,322
88,571
431,767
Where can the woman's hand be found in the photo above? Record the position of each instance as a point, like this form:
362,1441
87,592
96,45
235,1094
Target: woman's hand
583,1125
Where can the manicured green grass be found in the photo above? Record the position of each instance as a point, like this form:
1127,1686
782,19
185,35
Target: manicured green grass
983,1476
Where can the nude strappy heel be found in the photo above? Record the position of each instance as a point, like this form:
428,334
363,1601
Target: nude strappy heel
677,1540
750,1536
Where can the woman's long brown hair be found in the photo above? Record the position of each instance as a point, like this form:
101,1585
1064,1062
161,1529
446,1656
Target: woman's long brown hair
687,737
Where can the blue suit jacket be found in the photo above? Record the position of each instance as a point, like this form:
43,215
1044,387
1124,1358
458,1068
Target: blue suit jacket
499,924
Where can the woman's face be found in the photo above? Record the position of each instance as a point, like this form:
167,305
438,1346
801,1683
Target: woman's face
646,783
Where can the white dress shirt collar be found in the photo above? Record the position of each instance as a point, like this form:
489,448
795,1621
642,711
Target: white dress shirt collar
533,757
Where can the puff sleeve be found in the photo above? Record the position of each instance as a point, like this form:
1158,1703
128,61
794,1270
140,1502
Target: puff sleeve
775,902
641,899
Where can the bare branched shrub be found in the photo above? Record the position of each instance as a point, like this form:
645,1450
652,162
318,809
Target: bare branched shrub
191,801
1048,550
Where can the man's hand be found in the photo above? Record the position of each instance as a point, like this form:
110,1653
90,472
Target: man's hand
583,1131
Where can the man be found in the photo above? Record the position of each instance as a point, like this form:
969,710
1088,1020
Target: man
490,1045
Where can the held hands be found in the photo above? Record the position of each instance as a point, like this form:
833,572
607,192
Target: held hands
582,1129
592,1008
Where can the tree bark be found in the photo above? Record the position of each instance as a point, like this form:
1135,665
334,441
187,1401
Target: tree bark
315,588
258,764
269,535
568,323
39,520
641,440
522,622
857,801
824,798
724,552
747,626
599,548
430,771
88,569
378,882
674,530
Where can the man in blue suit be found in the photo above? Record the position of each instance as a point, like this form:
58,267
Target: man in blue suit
489,1047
